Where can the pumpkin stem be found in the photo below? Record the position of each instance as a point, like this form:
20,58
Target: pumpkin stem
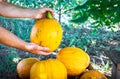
49,15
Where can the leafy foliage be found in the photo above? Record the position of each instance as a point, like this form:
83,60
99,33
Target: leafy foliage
103,12
89,40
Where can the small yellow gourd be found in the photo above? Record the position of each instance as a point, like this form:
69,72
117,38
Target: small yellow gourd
48,69
75,60
24,66
47,32
93,74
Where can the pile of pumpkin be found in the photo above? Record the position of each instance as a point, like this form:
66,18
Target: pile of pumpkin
69,61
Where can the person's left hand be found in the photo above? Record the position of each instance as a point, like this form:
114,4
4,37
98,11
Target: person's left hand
36,49
41,13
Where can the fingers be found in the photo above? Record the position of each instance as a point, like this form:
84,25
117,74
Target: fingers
41,12
36,49
43,53
42,50
51,10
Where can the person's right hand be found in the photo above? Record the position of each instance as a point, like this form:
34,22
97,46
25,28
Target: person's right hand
36,49
40,13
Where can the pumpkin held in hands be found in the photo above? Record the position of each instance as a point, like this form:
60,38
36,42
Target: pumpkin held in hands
48,69
75,60
24,66
47,32
93,74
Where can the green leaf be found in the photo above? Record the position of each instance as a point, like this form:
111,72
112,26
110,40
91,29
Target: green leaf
72,41
76,15
82,2
83,6
94,32
80,19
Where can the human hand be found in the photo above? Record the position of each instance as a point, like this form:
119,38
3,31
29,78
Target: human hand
42,12
36,49
13,11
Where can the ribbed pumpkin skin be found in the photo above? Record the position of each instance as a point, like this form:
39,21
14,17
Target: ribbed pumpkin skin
48,69
24,66
75,60
47,33
93,74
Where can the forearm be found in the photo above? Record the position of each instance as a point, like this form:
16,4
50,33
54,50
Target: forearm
10,39
12,11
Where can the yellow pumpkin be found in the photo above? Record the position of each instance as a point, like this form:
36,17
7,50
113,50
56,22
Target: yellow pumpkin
47,32
75,60
48,69
93,74
24,66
